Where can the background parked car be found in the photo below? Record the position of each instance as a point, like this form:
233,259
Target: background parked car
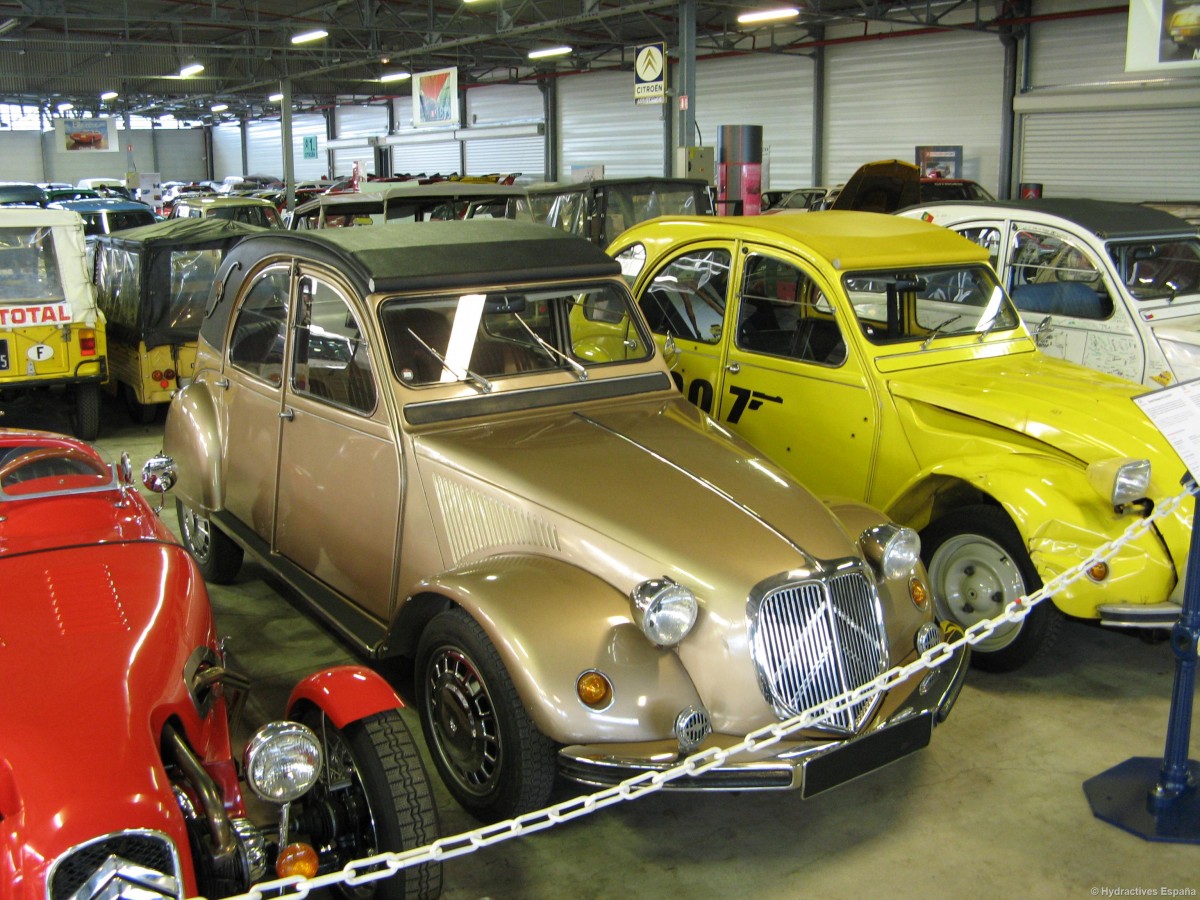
878,358
21,193
116,698
52,333
1112,286
457,442
107,214
247,210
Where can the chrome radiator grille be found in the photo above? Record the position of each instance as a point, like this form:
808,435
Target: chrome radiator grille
813,640
142,860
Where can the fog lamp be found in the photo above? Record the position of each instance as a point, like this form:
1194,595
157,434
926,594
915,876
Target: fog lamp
918,592
297,859
1098,571
1120,481
891,549
282,761
664,610
594,690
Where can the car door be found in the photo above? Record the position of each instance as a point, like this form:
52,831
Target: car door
684,303
337,509
253,398
792,384
1055,278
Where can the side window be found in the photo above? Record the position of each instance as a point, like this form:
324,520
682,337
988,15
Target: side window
259,332
330,359
988,237
781,312
1051,274
687,298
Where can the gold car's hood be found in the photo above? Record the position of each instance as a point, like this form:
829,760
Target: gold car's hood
656,477
1079,412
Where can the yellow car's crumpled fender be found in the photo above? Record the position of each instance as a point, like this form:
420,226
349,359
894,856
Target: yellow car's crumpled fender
1061,519
550,622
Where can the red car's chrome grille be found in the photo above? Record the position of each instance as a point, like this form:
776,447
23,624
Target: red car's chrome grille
815,639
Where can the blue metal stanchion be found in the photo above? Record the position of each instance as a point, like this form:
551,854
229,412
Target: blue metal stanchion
1152,798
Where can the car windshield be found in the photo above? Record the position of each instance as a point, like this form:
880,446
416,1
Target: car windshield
1153,270
28,266
48,468
480,336
923,304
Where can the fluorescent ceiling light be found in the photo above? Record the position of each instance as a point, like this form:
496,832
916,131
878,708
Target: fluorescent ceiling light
109,95
8,25
63,107
219,107
315,35
191,69
549,51
395,76
275,98
768,15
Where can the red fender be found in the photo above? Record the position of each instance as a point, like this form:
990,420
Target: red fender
346,694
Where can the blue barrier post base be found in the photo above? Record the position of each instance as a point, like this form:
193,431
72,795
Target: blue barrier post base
1124,796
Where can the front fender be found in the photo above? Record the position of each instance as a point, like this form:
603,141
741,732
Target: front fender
550,622
1061,519
192,438
345,694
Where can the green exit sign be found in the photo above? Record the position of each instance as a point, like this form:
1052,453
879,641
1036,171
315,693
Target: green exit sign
310,147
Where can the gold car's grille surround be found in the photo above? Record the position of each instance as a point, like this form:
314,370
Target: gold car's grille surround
476,521
814,636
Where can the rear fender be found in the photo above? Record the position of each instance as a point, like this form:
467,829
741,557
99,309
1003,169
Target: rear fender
550,622
345,694
192,438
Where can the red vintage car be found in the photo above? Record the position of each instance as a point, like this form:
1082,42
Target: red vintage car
117,769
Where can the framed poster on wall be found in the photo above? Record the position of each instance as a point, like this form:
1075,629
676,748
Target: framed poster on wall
1163,35
940,162
86,135
435,97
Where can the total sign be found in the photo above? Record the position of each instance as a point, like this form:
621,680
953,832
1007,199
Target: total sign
35,314
650,74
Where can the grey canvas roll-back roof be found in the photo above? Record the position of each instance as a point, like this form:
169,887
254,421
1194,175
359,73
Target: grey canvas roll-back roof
415,256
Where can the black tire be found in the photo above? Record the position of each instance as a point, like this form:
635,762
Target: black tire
87,411
977,565
140,413
217,557
492,758
373,797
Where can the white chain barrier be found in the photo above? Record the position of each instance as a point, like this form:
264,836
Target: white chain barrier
384,865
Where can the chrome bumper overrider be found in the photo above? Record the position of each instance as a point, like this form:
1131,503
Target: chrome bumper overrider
811,767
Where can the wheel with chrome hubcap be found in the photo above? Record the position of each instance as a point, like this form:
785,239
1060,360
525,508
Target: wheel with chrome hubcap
217,557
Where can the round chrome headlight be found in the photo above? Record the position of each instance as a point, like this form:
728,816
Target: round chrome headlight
282,761
892,549
664,610
1120,481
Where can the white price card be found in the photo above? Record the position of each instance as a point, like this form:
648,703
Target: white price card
1175,411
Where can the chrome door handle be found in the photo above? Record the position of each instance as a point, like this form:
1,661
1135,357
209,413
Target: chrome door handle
733,368
288,414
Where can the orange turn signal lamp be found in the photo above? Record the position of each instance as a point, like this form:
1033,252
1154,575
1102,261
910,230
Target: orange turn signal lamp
297,859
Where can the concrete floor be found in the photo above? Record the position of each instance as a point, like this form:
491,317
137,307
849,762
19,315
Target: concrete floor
993,808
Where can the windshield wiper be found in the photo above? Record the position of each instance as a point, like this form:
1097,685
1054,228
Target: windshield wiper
938,330
580,371
485,386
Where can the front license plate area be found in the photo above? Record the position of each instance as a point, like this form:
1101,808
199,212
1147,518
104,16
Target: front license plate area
867,754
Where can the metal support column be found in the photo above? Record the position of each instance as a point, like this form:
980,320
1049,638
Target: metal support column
285,138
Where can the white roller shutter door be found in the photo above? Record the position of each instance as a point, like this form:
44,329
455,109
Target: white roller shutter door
598,124
357,121
1082,132
505,104
227,150
264,149
774,91
885,98
441,155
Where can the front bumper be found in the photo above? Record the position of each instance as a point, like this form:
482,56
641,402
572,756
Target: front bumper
805,765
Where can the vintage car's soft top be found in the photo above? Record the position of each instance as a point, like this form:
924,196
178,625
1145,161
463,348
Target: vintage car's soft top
412,256
70,250
1107,219
849,240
